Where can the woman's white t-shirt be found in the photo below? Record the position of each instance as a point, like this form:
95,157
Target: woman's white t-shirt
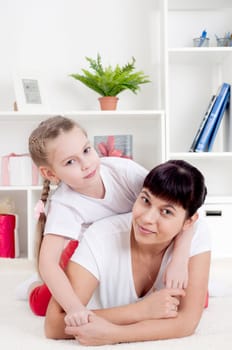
105,252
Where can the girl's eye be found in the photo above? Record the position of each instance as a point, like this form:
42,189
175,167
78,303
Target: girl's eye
70,162
87,149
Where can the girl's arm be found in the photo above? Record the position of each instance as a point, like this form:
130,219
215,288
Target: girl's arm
84,284
99,331
57,281
176,273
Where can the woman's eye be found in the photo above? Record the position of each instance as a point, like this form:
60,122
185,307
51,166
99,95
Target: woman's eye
167,212
144,199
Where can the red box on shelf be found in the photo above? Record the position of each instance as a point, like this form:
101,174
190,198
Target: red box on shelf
7,236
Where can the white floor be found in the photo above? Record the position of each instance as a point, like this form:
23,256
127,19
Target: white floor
21,330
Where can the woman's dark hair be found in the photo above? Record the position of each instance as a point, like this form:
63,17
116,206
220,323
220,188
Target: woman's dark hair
179,182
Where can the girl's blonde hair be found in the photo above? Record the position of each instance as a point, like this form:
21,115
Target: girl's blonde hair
46,131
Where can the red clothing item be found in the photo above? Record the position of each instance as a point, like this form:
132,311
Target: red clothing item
40,296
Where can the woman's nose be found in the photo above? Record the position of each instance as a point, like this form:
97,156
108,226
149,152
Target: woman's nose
151,216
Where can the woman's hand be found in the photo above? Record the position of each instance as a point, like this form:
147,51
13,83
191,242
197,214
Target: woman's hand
160,304
96,332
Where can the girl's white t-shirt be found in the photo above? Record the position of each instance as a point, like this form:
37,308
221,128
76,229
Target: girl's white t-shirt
70,213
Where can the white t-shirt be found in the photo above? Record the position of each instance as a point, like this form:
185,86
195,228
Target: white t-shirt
105,252
70,213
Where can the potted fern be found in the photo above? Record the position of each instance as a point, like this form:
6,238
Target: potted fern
109,81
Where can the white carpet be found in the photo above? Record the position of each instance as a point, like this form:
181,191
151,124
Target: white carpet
21,330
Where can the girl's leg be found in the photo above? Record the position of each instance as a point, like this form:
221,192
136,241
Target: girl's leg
39,299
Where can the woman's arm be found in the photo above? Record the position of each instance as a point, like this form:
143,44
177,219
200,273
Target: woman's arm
99,331
159,304
54,325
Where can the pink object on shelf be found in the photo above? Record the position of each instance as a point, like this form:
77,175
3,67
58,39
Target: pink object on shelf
39,209
6,170
114,145
7,232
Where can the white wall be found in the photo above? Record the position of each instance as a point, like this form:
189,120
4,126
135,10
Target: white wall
50,38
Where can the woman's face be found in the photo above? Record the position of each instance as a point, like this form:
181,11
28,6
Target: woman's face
157,221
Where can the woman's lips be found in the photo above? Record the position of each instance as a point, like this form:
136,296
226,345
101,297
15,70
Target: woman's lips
146,231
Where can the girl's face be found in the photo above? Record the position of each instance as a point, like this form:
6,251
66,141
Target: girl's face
157,221
73,160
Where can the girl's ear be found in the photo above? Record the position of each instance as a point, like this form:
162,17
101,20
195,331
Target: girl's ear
47,173
190,221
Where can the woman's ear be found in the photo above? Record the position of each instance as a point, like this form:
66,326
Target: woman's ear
190,221
47,173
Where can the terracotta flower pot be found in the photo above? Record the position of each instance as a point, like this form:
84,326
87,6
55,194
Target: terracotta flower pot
108,103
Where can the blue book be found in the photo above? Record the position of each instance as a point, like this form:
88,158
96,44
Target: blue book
222,111
203,142
202,125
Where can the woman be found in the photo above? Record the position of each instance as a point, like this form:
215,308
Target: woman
117,270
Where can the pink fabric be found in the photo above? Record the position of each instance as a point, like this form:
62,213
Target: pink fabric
7,242
39,209
107,149
5,169
35,174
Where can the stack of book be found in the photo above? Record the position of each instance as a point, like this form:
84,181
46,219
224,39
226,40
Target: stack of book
205,136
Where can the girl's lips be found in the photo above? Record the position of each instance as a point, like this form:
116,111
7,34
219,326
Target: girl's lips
90,175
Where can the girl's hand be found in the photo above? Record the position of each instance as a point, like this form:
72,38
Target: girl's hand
97,332
78,318
176,273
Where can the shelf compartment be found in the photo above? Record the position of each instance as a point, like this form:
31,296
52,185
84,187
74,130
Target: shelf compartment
147,129
201,55
216,167
194,77
19,198
195,17
198,5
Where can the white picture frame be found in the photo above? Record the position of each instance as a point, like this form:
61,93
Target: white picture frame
29,93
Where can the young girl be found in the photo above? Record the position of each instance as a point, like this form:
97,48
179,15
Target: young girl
119,264
89,188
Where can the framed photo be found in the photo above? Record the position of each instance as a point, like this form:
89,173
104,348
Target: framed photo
29,93
114,146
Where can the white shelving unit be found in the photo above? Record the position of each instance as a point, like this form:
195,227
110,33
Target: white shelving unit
193,75
147,128
185,79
